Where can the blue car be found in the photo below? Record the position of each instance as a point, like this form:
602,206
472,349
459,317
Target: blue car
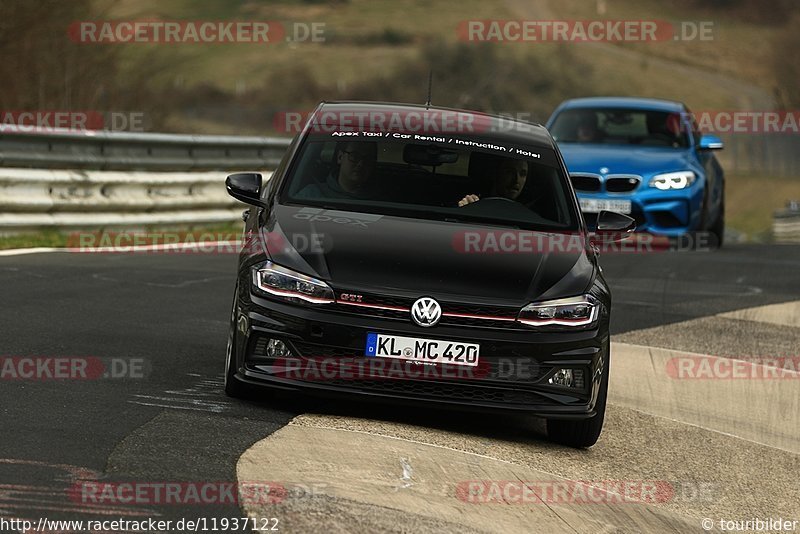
645,158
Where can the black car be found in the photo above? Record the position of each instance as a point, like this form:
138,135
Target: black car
424,255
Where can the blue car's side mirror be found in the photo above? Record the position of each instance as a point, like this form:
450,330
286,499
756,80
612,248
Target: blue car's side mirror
710,142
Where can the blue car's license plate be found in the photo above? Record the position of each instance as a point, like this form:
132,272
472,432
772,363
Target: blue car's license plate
596,205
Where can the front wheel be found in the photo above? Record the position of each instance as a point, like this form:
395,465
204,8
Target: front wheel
583,432
718,228
233,387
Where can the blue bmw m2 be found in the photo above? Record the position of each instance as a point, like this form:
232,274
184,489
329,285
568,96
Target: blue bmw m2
645,158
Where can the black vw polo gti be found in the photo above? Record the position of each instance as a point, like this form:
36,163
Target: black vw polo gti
423,255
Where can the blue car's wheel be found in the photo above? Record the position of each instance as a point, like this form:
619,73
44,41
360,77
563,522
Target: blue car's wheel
718,227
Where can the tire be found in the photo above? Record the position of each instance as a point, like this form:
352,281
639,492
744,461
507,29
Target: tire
699,238
582,433
718,228
233,387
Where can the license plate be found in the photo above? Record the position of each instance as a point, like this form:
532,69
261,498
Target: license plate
422,350
596,205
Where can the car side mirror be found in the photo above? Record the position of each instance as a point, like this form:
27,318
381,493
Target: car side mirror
710,142
245,186
613,226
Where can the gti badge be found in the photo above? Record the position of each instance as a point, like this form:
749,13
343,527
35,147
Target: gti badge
426,312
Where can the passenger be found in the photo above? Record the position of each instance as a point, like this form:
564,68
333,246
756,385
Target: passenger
353,176
587,130
508,182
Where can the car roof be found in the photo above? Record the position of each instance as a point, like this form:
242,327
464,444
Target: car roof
652,104
485,126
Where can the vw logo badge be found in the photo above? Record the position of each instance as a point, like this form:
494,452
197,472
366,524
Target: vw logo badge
426,312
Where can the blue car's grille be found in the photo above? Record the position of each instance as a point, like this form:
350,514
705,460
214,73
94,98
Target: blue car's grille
613,183
585,182
622,183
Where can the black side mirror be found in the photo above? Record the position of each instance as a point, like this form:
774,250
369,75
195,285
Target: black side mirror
245,186
613,226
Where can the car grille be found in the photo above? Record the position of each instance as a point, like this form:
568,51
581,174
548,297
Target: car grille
585,182
495,383
453,314
622,183
613,183
490,367
437,389
371,311
258,345
314,350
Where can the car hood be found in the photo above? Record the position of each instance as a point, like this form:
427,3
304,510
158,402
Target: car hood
414,257
624,159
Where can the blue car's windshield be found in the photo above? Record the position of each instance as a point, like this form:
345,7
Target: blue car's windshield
620,127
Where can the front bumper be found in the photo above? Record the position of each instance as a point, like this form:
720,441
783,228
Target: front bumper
516,362
668,213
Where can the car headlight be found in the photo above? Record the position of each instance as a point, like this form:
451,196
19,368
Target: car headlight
673,180
572,311
290,285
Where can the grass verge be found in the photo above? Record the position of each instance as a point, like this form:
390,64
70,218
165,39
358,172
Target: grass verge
751,200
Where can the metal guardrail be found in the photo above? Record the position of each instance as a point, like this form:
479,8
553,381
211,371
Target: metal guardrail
68,179
62,179
765,154
101,150
786,224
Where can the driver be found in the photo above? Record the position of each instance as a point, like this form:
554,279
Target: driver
353,179
587,130
508,182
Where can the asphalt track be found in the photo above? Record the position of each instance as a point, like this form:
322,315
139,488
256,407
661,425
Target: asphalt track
174,424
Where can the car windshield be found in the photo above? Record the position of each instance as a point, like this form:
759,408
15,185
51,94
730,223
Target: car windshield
442,178
620,127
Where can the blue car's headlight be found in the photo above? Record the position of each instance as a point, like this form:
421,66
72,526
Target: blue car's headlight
290,285
673,180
